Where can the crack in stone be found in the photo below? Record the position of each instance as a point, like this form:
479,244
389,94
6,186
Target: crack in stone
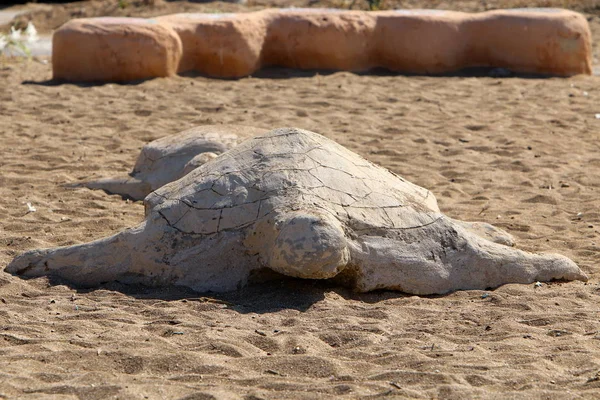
203,235
403,228
180,218
168,222
286,154
219,221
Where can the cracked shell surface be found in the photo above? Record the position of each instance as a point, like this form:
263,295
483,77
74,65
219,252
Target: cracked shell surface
293,165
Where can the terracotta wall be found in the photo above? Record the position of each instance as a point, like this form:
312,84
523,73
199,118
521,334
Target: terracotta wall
542,41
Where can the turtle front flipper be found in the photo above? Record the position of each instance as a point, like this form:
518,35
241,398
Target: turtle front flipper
118,257
128,187
444,257
301,244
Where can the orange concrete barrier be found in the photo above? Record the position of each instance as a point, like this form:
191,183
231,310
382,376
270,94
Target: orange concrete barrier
540,41
114,50
220,45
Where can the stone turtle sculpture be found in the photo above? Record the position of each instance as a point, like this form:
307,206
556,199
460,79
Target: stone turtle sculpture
169,158
304,206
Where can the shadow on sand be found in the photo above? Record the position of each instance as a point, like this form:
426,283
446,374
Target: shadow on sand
277,73
265,296
56,82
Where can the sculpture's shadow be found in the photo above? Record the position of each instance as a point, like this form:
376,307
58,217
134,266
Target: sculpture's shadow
58,82
281,73
263,296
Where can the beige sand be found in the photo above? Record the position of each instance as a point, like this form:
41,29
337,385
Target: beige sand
521,154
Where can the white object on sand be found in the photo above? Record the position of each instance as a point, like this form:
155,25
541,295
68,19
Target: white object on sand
304,206
169,158
31,33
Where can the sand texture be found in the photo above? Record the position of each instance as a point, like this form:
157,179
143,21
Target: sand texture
522,154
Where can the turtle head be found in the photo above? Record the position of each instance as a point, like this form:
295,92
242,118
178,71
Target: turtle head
302,244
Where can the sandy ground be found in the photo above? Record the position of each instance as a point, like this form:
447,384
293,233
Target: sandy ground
523,154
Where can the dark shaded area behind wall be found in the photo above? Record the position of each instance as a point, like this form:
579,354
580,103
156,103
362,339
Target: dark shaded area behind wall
4,4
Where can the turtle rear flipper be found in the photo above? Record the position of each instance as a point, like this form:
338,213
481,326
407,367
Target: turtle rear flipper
489,232
444,257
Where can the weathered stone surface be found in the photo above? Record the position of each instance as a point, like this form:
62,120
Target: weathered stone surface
114,50
541,41
302,205
220,45
169,158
